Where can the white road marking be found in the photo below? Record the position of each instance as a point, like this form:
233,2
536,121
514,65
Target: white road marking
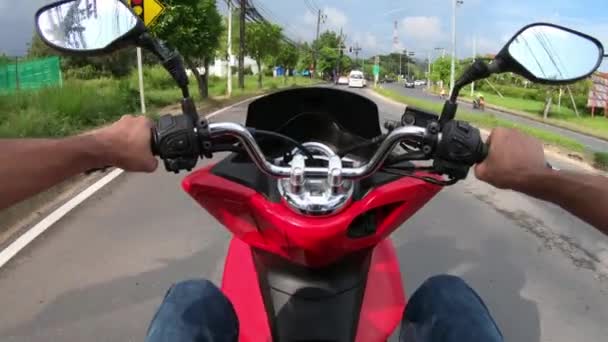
26,238
234,105
9,252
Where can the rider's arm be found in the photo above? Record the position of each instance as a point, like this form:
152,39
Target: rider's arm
516,161
29,166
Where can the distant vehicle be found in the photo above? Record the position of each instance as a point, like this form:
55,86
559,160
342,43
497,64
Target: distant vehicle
356,79
410,84
419,83
388,79
305,72
342,80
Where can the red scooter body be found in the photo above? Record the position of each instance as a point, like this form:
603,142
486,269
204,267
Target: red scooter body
296,277
309,245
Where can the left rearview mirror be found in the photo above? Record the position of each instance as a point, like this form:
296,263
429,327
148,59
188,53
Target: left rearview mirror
88,27
547,53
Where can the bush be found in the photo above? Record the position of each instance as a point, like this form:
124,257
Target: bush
600,160
57,111
156,77
87,72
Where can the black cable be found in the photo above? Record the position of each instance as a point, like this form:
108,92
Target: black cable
431,180
282,137
369,143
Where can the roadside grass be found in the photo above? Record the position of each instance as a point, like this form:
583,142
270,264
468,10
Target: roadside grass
83,104
564,117
598,159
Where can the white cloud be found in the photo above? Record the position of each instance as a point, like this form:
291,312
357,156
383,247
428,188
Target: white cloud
367,41
336,19
420,32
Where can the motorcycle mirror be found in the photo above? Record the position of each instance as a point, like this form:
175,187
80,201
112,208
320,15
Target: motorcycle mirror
550,54
88,28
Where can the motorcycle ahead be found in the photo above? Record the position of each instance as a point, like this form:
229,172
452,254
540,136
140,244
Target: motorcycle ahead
479,103
313,187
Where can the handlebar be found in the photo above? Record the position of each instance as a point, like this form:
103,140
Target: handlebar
223,129
453,149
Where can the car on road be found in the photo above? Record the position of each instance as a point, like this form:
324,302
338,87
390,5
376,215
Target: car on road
356,79
342,80
419,83
410,84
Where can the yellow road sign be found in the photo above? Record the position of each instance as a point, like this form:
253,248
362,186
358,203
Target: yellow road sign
147,10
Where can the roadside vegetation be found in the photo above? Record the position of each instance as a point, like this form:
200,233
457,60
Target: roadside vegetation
488,121
84,104
528,99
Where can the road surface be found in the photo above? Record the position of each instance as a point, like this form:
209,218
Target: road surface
591,143
100,273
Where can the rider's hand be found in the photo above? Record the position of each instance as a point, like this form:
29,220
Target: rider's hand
513,157
126,144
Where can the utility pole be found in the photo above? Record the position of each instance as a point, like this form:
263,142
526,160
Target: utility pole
229,73
140,73
408,55
455,4
356,50
340,47
428,71
17,85
320,18
242,44
474,57
400,53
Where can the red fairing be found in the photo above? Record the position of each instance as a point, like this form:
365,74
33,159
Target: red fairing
240,285
383,301
309,241
381,311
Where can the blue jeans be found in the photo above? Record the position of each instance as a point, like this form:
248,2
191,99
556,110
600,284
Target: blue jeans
443,309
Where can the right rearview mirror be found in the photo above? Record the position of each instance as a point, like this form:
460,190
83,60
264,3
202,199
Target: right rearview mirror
88,27
547,53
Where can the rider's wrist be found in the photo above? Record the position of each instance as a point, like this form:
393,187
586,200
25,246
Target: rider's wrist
532,181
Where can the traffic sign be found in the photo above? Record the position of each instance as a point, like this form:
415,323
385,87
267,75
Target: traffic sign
147,10
376,70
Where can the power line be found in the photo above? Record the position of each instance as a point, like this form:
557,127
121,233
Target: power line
314,4
311,7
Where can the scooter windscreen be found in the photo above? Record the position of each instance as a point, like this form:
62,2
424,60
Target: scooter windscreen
337,118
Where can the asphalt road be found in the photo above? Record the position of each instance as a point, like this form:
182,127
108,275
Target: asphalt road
591,143
100,273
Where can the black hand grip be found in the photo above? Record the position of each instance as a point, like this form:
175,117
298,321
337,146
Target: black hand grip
482,153
154,141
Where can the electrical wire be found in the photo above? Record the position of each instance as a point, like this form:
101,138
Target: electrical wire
369,143
431,180
302,148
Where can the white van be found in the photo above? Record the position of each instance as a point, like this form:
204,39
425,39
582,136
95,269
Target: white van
356,79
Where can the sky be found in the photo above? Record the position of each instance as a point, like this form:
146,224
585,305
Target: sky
422,26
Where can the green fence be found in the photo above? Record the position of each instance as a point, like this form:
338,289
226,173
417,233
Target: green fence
31,74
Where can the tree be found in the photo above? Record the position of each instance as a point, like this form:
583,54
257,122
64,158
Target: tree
38,49
305,56
441,70
287,57
194,27
262,41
